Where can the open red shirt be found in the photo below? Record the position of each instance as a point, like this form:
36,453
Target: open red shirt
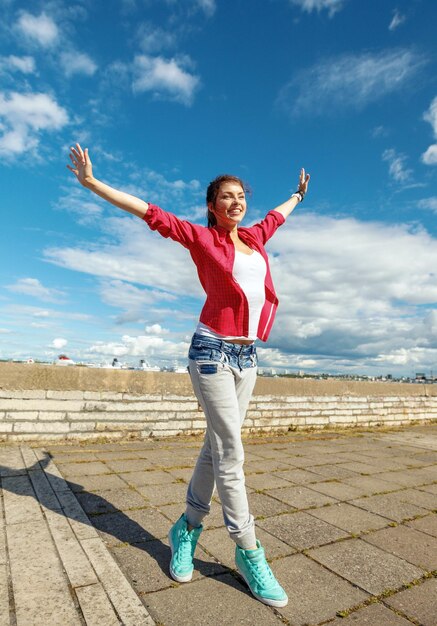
226,310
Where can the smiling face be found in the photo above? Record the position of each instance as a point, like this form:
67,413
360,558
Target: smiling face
229,207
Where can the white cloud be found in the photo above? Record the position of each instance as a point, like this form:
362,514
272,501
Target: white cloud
142,346
77,63
13,63
397,20
23,116
332,6
351,80
165,78
156,329
153,38
396,165
428,203
41,29
429,157
59,343
135,302
208,6
34,288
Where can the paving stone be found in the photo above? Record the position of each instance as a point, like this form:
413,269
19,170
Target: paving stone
156,477
74,457
131,465
261,505
74,560
419,602
181,473
369,485
361,468
218,543
4,594
84,469
146,564
265,481
126,603
41,592
94,504
339,491
301,530
367,566
314,594
332,471
264,465
301,497
131,527
222,600
407,543
388,505
166,494
20,502
44,490
412,477
96,606
119,455
349,518
79,522
97,483
429,488
123,499
426,524
299,476
372,615
420,498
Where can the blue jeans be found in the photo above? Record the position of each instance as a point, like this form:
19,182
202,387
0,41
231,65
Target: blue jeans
223,376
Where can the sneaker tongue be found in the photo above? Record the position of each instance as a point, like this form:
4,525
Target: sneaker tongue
255,555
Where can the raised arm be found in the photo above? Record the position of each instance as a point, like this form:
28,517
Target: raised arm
289,205
83,170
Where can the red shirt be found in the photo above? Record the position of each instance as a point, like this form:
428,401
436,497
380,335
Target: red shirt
226,310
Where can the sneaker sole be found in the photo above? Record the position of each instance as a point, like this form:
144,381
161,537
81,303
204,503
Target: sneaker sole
269,601
176,577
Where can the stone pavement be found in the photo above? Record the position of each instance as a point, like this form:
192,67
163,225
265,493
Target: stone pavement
348,521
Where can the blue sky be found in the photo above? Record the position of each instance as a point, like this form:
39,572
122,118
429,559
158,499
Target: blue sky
167,94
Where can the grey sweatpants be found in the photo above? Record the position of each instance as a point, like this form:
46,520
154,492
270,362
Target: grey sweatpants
224,397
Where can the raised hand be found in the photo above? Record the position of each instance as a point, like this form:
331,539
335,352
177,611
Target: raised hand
303,182
82,166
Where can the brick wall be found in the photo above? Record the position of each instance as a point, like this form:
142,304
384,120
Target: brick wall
157,404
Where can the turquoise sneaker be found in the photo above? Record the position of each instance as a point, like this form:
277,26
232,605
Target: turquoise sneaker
183,544
255,570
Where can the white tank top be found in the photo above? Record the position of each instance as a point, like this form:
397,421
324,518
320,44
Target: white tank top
249,271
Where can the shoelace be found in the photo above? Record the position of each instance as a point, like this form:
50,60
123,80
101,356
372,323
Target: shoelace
184,554
262,574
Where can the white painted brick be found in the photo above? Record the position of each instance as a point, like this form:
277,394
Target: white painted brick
41,427
172,397
201,424
21,415
6,427
91,395
173,424
111,395
41,405
23,394
317,420
157,433
47,416
120,426
82,427
143,397
65,395
342,419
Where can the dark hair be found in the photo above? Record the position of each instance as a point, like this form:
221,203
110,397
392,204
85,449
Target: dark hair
214,188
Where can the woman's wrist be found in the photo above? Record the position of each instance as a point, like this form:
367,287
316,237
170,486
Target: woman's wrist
299,195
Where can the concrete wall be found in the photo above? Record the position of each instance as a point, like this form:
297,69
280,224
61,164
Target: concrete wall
50,402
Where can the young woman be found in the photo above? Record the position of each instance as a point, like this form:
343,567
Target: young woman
240,307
